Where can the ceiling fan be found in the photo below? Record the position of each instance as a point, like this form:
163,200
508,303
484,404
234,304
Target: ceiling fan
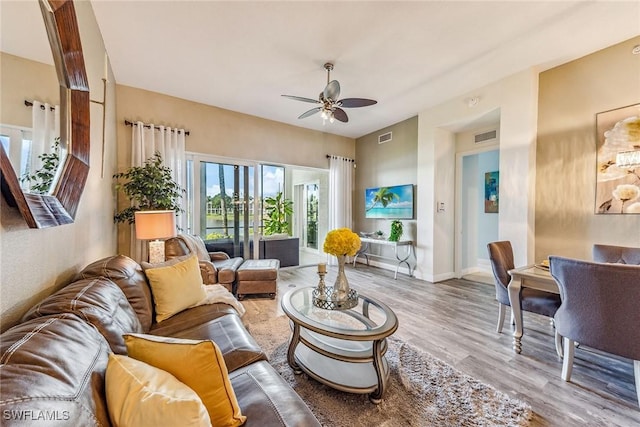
330,106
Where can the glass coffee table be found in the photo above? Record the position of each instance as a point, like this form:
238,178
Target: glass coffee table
344,349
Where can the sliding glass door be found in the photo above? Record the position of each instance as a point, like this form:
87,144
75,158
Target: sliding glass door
224,202
226,212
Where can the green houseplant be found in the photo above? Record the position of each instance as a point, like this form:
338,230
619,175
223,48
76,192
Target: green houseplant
148,187
42,179
396,230
277,210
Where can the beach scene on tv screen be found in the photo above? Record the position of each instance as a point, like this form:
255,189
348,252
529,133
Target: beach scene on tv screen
394,202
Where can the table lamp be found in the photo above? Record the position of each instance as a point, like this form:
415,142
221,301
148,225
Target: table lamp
153,226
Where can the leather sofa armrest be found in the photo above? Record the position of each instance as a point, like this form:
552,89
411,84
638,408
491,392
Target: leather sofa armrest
209,273
218,256
227,269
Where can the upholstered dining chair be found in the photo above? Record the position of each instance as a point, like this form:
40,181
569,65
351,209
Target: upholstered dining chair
616,254
599,309
532,300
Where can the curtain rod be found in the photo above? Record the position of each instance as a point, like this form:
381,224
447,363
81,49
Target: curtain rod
329,156
30,104
129,123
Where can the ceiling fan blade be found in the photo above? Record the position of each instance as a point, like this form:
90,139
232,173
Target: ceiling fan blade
310,112
339,114
332,90
356,102
300,98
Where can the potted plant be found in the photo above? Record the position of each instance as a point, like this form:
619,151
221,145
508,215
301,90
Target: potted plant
148,187
396,230
277,209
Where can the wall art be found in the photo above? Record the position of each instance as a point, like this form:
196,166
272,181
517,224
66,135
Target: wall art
491,192
618,161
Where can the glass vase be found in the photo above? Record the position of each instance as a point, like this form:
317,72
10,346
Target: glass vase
341,286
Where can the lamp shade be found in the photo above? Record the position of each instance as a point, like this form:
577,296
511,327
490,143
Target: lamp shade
155,224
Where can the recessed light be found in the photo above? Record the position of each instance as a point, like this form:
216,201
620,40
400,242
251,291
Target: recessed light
636,50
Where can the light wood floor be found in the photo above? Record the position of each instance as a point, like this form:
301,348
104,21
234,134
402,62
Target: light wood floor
455,321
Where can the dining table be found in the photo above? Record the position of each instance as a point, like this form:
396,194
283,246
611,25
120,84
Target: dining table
535,277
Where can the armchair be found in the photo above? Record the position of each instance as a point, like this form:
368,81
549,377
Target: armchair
215,267
533,300
599,309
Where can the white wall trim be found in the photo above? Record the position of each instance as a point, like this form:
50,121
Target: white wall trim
383,265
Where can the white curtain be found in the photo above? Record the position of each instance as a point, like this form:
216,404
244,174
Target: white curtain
341,179
170,143
45,119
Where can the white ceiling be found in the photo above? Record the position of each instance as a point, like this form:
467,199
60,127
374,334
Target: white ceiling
409,56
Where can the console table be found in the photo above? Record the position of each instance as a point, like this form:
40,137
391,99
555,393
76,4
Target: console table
403,258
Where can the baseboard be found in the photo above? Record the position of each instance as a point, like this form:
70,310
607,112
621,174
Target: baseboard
391,267
404,270
443,276
484,264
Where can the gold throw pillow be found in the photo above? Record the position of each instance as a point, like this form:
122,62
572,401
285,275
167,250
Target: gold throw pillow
197,363
176,285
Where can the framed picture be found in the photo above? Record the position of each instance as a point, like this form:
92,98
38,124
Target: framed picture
389,202
618,161
491,192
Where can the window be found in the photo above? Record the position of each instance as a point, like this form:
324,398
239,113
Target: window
224,199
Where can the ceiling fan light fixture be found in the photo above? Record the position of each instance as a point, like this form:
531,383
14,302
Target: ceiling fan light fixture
329,104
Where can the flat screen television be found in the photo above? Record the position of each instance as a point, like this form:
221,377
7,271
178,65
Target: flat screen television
394,202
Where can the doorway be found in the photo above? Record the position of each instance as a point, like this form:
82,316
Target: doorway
311,213
476,221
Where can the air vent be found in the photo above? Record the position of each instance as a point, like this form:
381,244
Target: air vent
485,136
385,137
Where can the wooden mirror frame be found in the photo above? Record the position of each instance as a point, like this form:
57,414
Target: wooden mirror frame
43,210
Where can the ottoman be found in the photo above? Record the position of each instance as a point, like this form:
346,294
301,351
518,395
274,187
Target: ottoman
257,276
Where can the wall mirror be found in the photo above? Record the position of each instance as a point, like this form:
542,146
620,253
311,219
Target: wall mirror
56,202
29,119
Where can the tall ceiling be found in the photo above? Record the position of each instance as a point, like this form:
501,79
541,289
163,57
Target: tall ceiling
409,56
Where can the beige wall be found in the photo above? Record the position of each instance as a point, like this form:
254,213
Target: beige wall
570,96
22,79
223,133
391,163
34,263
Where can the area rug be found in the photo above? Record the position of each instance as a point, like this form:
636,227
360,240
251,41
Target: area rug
422,390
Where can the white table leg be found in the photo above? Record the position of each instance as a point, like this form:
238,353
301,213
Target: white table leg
514,299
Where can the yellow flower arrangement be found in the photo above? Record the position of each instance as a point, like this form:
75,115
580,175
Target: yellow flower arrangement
341,241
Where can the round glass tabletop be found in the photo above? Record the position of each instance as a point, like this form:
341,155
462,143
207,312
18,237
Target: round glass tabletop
369,320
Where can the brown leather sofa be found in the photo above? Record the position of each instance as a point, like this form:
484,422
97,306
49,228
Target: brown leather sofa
52,364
